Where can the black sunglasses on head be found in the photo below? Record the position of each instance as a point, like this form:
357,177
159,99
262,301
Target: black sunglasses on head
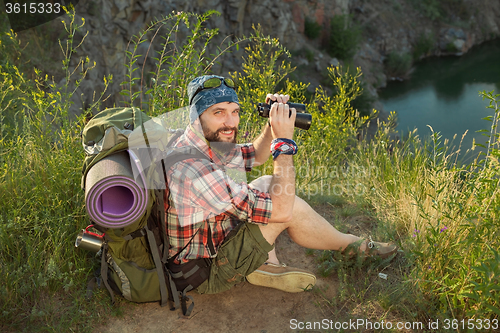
214,82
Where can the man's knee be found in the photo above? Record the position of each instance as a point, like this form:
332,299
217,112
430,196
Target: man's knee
300,207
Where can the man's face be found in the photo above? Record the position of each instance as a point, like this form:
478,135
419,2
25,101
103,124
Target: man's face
220,122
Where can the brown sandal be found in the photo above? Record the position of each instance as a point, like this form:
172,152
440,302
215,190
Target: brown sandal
373,249
382,250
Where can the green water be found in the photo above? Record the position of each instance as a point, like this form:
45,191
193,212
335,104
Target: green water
443,92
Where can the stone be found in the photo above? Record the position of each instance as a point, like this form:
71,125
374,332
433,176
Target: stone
318,67
298,17
301,61
459,44
121,4
144,50
112,23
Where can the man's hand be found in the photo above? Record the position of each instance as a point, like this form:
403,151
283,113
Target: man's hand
281,117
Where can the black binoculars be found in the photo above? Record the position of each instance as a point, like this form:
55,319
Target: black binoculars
302,120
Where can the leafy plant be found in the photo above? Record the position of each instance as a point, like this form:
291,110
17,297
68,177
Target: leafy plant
263,70
344,37
41,205
438,10
423,45
177,62
312,29
398,65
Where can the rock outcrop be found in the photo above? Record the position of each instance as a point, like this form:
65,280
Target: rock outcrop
387,26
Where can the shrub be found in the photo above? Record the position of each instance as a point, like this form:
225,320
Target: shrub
439,9
398,65
363,103
430,8
424,45
312,29
262,72
451,48
41,203
344,37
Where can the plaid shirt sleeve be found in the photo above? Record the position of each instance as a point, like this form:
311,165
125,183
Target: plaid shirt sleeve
248,152
207,192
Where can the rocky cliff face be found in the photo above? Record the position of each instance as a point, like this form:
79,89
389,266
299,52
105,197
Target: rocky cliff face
387,26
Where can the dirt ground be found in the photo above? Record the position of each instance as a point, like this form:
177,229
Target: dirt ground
244,308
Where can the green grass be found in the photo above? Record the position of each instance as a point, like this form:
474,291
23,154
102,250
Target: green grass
444,215
445,222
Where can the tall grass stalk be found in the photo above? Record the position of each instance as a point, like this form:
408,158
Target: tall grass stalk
40,199
443,213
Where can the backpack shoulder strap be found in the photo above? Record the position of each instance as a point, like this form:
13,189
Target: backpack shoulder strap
181,155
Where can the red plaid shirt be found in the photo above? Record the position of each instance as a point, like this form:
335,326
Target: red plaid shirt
204,192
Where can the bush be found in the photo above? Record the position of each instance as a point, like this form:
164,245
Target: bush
41,203
439,9
423,46
431,9
344,37
363,103
451,48
398,65
312,29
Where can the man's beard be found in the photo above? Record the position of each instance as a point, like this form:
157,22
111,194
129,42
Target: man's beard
215,140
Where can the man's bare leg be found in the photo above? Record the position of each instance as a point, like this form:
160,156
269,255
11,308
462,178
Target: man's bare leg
307,228
310,230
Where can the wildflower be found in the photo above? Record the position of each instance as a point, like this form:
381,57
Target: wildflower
443,229
416,232
246,134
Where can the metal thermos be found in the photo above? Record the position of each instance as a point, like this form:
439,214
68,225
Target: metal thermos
88,240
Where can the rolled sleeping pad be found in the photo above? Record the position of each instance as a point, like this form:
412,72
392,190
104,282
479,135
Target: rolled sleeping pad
113,198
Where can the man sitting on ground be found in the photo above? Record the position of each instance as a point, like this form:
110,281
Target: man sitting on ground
212,215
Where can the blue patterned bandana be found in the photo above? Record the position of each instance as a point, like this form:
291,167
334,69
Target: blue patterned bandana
208,97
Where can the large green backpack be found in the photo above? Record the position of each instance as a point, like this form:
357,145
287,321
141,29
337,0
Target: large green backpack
134,255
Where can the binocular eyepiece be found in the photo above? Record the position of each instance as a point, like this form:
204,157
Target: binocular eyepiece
302,120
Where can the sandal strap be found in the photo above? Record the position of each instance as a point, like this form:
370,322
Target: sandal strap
371,243
271,264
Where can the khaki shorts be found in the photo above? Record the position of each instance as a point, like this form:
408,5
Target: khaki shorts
243,251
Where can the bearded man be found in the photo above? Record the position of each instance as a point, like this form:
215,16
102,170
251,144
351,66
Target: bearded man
213,215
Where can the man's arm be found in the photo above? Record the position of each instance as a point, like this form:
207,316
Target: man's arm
282,187
261,145
263,142
198,191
